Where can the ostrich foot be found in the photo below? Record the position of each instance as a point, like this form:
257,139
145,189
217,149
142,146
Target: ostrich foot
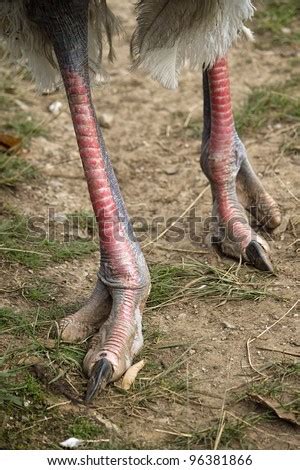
118,340
225,163
114,317
77,327
231,232
256,200
233,236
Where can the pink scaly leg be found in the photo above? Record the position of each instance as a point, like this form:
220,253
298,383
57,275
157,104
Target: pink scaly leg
114,310
225,163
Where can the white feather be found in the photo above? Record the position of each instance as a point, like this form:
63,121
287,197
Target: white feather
72,443
201,43
162,54
161,64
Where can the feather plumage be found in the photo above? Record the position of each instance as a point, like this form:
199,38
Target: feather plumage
27,44
170,33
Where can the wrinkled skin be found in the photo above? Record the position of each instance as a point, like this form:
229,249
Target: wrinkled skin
113,314
234,184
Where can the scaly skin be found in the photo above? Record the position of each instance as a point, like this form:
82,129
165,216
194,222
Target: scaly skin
114,311
225,163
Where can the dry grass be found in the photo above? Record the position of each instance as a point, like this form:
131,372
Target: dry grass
195,280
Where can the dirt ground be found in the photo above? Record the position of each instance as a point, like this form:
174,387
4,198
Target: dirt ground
154,143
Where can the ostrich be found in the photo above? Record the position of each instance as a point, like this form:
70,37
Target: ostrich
66,36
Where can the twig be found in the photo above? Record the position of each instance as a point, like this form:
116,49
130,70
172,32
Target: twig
24,251
251,340
189,117
278,438
95,441
177,363
181,250
64,176
171,433
179,218
36,423
294,243
220,431
190,400
59,404
288,353
277,321
165,149
287,188
286,129
223,412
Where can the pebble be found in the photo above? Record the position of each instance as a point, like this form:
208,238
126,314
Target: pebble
171,170
228,325
296,159
55,107
106,120
286,30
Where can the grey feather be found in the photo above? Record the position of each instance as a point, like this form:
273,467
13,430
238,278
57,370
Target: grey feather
26,43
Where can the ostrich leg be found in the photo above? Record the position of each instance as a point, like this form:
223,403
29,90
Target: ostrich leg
225,163
114,310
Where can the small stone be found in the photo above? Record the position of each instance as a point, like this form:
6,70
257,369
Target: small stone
55,107
228,325
29,361
105,120
171,170
50,343
296,159
286,30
